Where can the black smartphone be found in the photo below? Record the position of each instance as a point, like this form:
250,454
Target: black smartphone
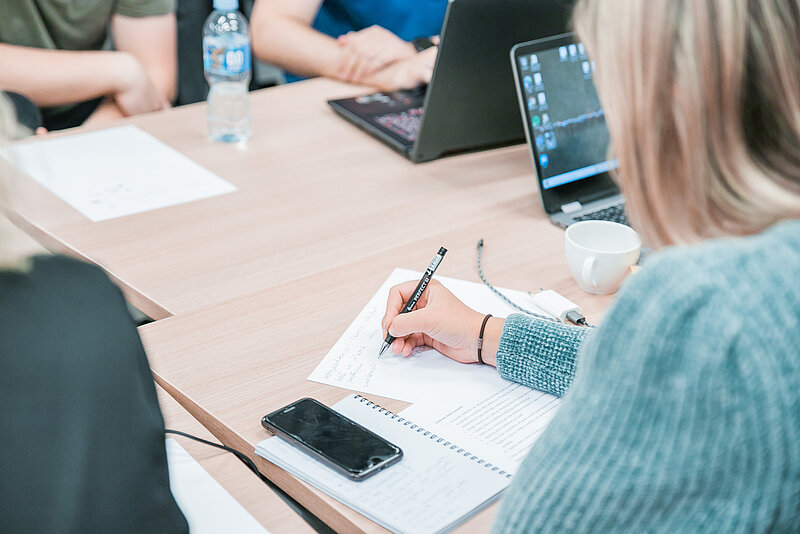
332,438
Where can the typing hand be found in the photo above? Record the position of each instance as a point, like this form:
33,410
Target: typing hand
439,320
136,93
406,73
370,50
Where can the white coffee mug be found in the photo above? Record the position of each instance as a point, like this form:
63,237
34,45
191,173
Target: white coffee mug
600,254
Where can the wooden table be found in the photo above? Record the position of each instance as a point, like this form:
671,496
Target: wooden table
254,287
314,192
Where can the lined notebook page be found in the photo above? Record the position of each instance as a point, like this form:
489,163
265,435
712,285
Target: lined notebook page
434,487
502,426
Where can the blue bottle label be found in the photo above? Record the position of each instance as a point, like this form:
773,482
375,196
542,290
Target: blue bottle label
226,61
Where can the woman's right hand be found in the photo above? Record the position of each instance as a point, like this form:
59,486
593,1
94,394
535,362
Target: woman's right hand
440,321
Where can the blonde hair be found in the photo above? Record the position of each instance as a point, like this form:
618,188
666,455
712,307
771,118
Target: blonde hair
702,99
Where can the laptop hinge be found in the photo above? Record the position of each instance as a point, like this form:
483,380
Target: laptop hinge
572,207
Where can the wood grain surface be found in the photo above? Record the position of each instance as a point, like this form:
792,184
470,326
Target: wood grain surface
253,288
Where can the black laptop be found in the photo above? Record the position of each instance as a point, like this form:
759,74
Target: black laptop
470,103
566,130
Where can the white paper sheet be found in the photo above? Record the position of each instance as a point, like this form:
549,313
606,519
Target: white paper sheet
353,361
115,172
502,425
208,508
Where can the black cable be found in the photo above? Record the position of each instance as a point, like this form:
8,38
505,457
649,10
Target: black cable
315,522
243,457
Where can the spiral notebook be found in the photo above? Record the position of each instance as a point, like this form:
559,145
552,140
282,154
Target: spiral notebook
435,486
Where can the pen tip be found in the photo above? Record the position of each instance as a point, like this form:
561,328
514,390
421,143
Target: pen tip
383,348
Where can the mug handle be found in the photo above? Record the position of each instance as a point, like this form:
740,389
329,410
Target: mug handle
588,268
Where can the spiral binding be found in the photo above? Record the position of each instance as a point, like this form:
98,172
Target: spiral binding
432,436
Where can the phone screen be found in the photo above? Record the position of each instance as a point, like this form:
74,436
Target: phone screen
333,436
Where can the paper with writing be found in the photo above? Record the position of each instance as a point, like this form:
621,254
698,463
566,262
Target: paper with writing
115,172
435,486
502,425
353,361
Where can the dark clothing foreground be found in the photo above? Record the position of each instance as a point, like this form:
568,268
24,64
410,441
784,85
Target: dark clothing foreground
83,437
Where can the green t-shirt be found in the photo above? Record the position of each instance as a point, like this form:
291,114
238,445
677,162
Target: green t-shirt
69,24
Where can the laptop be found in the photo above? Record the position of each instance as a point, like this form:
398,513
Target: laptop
566,130
470,102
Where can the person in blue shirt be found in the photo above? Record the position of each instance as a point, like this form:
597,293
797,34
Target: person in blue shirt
385,44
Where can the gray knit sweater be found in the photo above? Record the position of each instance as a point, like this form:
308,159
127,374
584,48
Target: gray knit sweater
681,412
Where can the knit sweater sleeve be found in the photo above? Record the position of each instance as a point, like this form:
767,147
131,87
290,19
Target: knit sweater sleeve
651,433
539,354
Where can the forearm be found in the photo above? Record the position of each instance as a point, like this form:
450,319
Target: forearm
539,354
295,46
153,42
57,77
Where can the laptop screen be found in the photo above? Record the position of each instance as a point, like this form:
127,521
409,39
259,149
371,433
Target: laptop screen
566,123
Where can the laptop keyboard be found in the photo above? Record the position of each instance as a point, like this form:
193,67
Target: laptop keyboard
405,123
615,213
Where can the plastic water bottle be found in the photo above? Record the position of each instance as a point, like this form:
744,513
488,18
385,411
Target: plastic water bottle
226,61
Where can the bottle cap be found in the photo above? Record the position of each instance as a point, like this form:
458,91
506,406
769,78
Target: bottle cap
226,5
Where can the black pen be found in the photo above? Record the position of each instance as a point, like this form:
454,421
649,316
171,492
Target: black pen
423,283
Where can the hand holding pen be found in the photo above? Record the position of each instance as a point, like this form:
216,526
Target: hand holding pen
418,291
439,321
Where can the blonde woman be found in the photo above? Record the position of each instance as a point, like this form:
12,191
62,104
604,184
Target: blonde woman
83,438
681,412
